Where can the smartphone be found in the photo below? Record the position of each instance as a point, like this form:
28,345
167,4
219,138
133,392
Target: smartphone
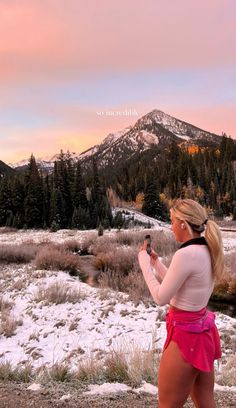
148,240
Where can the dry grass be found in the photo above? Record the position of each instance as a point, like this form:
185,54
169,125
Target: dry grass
226,285
22,373
230,261
7,230
59,372
116,367
227,376
121,260
23,253
87,243
53,258
103,244
131,366
132,284
90,371
143,366
9,324
58,293
72,245
164,244
5,304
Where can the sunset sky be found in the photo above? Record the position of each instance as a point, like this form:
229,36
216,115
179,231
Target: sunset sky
64,61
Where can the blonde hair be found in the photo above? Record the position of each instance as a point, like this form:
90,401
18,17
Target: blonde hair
196,217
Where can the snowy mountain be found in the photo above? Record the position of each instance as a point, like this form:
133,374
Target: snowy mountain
5,169
156,129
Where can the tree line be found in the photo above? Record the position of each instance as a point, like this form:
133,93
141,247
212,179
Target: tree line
207,174
72,198
58,200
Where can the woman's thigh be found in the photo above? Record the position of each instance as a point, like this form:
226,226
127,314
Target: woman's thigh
175,378
202,392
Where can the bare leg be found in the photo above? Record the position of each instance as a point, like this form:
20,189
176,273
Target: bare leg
175,379
202,392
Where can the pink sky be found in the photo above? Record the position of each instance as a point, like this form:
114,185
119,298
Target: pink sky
62,61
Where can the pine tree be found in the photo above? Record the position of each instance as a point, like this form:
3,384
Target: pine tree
64,186
80,219
152,206
18,197
99,207
57,208
34,196
5,201
79,190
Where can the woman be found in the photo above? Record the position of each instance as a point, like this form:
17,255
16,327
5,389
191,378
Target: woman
192,343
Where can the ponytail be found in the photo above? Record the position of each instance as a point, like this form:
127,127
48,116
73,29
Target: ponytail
215,245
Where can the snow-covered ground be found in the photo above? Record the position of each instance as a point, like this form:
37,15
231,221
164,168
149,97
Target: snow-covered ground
99,322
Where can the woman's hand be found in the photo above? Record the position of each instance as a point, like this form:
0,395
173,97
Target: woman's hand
153,255
143,247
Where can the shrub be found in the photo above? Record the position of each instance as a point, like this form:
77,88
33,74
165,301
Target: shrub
103,261
58,293
227,375
5,304
19,374
143,366
90,371
116,367
119,260
54,226
59,372
132,284
7,230
57,259
100,230
103,244
23,253
71,245
130,366
9,324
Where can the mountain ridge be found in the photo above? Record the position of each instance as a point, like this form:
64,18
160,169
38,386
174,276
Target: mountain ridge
155,128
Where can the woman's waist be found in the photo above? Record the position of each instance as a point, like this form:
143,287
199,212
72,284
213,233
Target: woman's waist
183,313
193,321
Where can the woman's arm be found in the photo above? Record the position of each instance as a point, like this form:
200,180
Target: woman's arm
160,268
173,279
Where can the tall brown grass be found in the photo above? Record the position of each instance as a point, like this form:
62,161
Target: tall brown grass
58,293
53,258
8,324
21,373
22,253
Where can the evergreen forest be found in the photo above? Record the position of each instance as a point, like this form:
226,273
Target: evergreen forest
75,195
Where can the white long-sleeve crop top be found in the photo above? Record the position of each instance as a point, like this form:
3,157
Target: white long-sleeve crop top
187,283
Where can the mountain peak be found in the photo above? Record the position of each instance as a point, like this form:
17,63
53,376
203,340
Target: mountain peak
155,128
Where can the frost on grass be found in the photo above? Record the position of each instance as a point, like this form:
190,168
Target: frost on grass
58,293
72,331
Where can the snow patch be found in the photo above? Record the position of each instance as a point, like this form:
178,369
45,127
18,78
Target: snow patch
107,388
34,387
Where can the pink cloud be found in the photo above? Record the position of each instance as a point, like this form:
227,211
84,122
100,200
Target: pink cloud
48,39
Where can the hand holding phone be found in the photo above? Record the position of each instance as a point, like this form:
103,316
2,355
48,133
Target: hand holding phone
148,241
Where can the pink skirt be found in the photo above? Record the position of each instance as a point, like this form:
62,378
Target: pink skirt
196,336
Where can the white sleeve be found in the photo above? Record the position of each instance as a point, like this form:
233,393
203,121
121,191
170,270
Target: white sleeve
160,268
175,276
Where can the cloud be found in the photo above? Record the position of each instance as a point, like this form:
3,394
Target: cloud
49,39
61,61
